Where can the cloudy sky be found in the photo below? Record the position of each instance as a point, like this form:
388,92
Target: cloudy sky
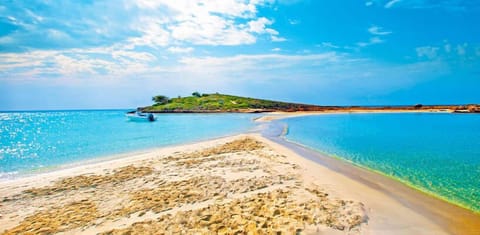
118,54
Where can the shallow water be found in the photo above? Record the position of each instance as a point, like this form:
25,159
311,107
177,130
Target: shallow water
32,141
437,153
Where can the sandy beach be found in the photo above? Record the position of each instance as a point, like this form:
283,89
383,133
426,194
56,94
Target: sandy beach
244,184
282,115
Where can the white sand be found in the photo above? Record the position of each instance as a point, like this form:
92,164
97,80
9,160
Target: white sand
282,115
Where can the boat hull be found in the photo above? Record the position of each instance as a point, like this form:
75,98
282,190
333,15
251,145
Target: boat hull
137,118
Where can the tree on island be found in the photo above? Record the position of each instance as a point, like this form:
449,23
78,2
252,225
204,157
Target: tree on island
196,94
160,99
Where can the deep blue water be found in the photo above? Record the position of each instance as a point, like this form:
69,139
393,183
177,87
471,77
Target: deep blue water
32,141
437,153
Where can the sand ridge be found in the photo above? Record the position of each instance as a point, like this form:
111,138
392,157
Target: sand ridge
233,185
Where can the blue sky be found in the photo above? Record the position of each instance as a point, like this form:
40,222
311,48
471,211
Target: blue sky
118,54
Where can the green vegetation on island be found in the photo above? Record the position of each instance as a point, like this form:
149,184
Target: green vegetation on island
221,103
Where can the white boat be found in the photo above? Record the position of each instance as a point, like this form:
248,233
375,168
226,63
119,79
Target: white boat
139,116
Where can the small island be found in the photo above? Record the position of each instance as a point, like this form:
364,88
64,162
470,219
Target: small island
223,103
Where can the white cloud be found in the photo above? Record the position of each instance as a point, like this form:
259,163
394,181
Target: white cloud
144,32
329,45
103,61
276,49
36,18
231,8
57,35
211,30
271,31
11,61
372,41
375,40
277,39
391,3
259,25
427,51
153,33
375,30
294,21
202,22
6,40
447,5
132,55
180,49
449,52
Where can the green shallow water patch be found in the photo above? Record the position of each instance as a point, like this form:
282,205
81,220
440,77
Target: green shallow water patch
435,153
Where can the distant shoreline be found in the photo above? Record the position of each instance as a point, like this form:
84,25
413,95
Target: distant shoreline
224,103
336,109
282,115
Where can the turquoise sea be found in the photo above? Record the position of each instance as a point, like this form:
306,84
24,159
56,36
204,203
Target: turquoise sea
438,153
36,141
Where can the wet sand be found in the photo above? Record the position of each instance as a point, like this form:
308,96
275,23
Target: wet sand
239,184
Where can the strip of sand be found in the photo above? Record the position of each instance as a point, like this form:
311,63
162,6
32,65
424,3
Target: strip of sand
243,183
282,115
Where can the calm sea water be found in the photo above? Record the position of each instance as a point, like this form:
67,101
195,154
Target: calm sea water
436,153
32,141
